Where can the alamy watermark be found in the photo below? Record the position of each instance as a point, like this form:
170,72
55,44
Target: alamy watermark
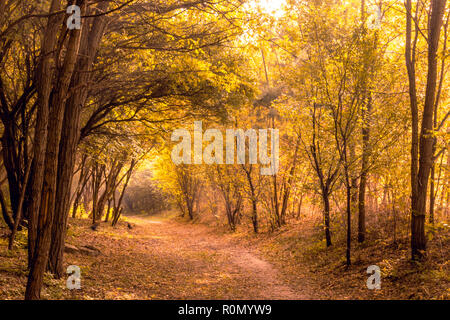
374,280
74,20
375,17
74,279
235,139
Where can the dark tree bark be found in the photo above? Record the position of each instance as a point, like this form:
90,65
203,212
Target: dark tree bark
288,184
118,208
189,186
418,210
108,210
410,58
8,220
85,174
349,221
111,184
19,209
48,190
326,215
44,87
96,184
436,127
232,208
327,178
90,39
364,172
253,197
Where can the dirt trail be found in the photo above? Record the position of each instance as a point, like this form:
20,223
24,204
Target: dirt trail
241,262
165,259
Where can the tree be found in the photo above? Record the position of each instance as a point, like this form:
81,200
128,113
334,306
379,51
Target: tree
422,145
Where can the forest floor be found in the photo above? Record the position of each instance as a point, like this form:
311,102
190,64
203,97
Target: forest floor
156,259
162,258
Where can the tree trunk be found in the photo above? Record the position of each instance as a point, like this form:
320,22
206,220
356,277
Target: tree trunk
48,193
349,221
18,219
254,216
96,183
108,210
276,203
299,207
410,65
117,217
66,162
8,220
44,87
432,194
84,178
190,209
253,199
11,163
418,238
288,185
364,174
326,214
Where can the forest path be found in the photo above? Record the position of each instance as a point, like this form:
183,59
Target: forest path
168,259
259,279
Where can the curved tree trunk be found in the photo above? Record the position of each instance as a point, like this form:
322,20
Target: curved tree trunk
48,194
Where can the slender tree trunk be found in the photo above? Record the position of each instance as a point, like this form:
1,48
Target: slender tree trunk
11,163
394,213
84,178
432,194
254,216
254,201
326,214
410,65
19,209
190,209
418,238
276,202
349,226
364,174
117,217
108,210
96,183
288,184
299,207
